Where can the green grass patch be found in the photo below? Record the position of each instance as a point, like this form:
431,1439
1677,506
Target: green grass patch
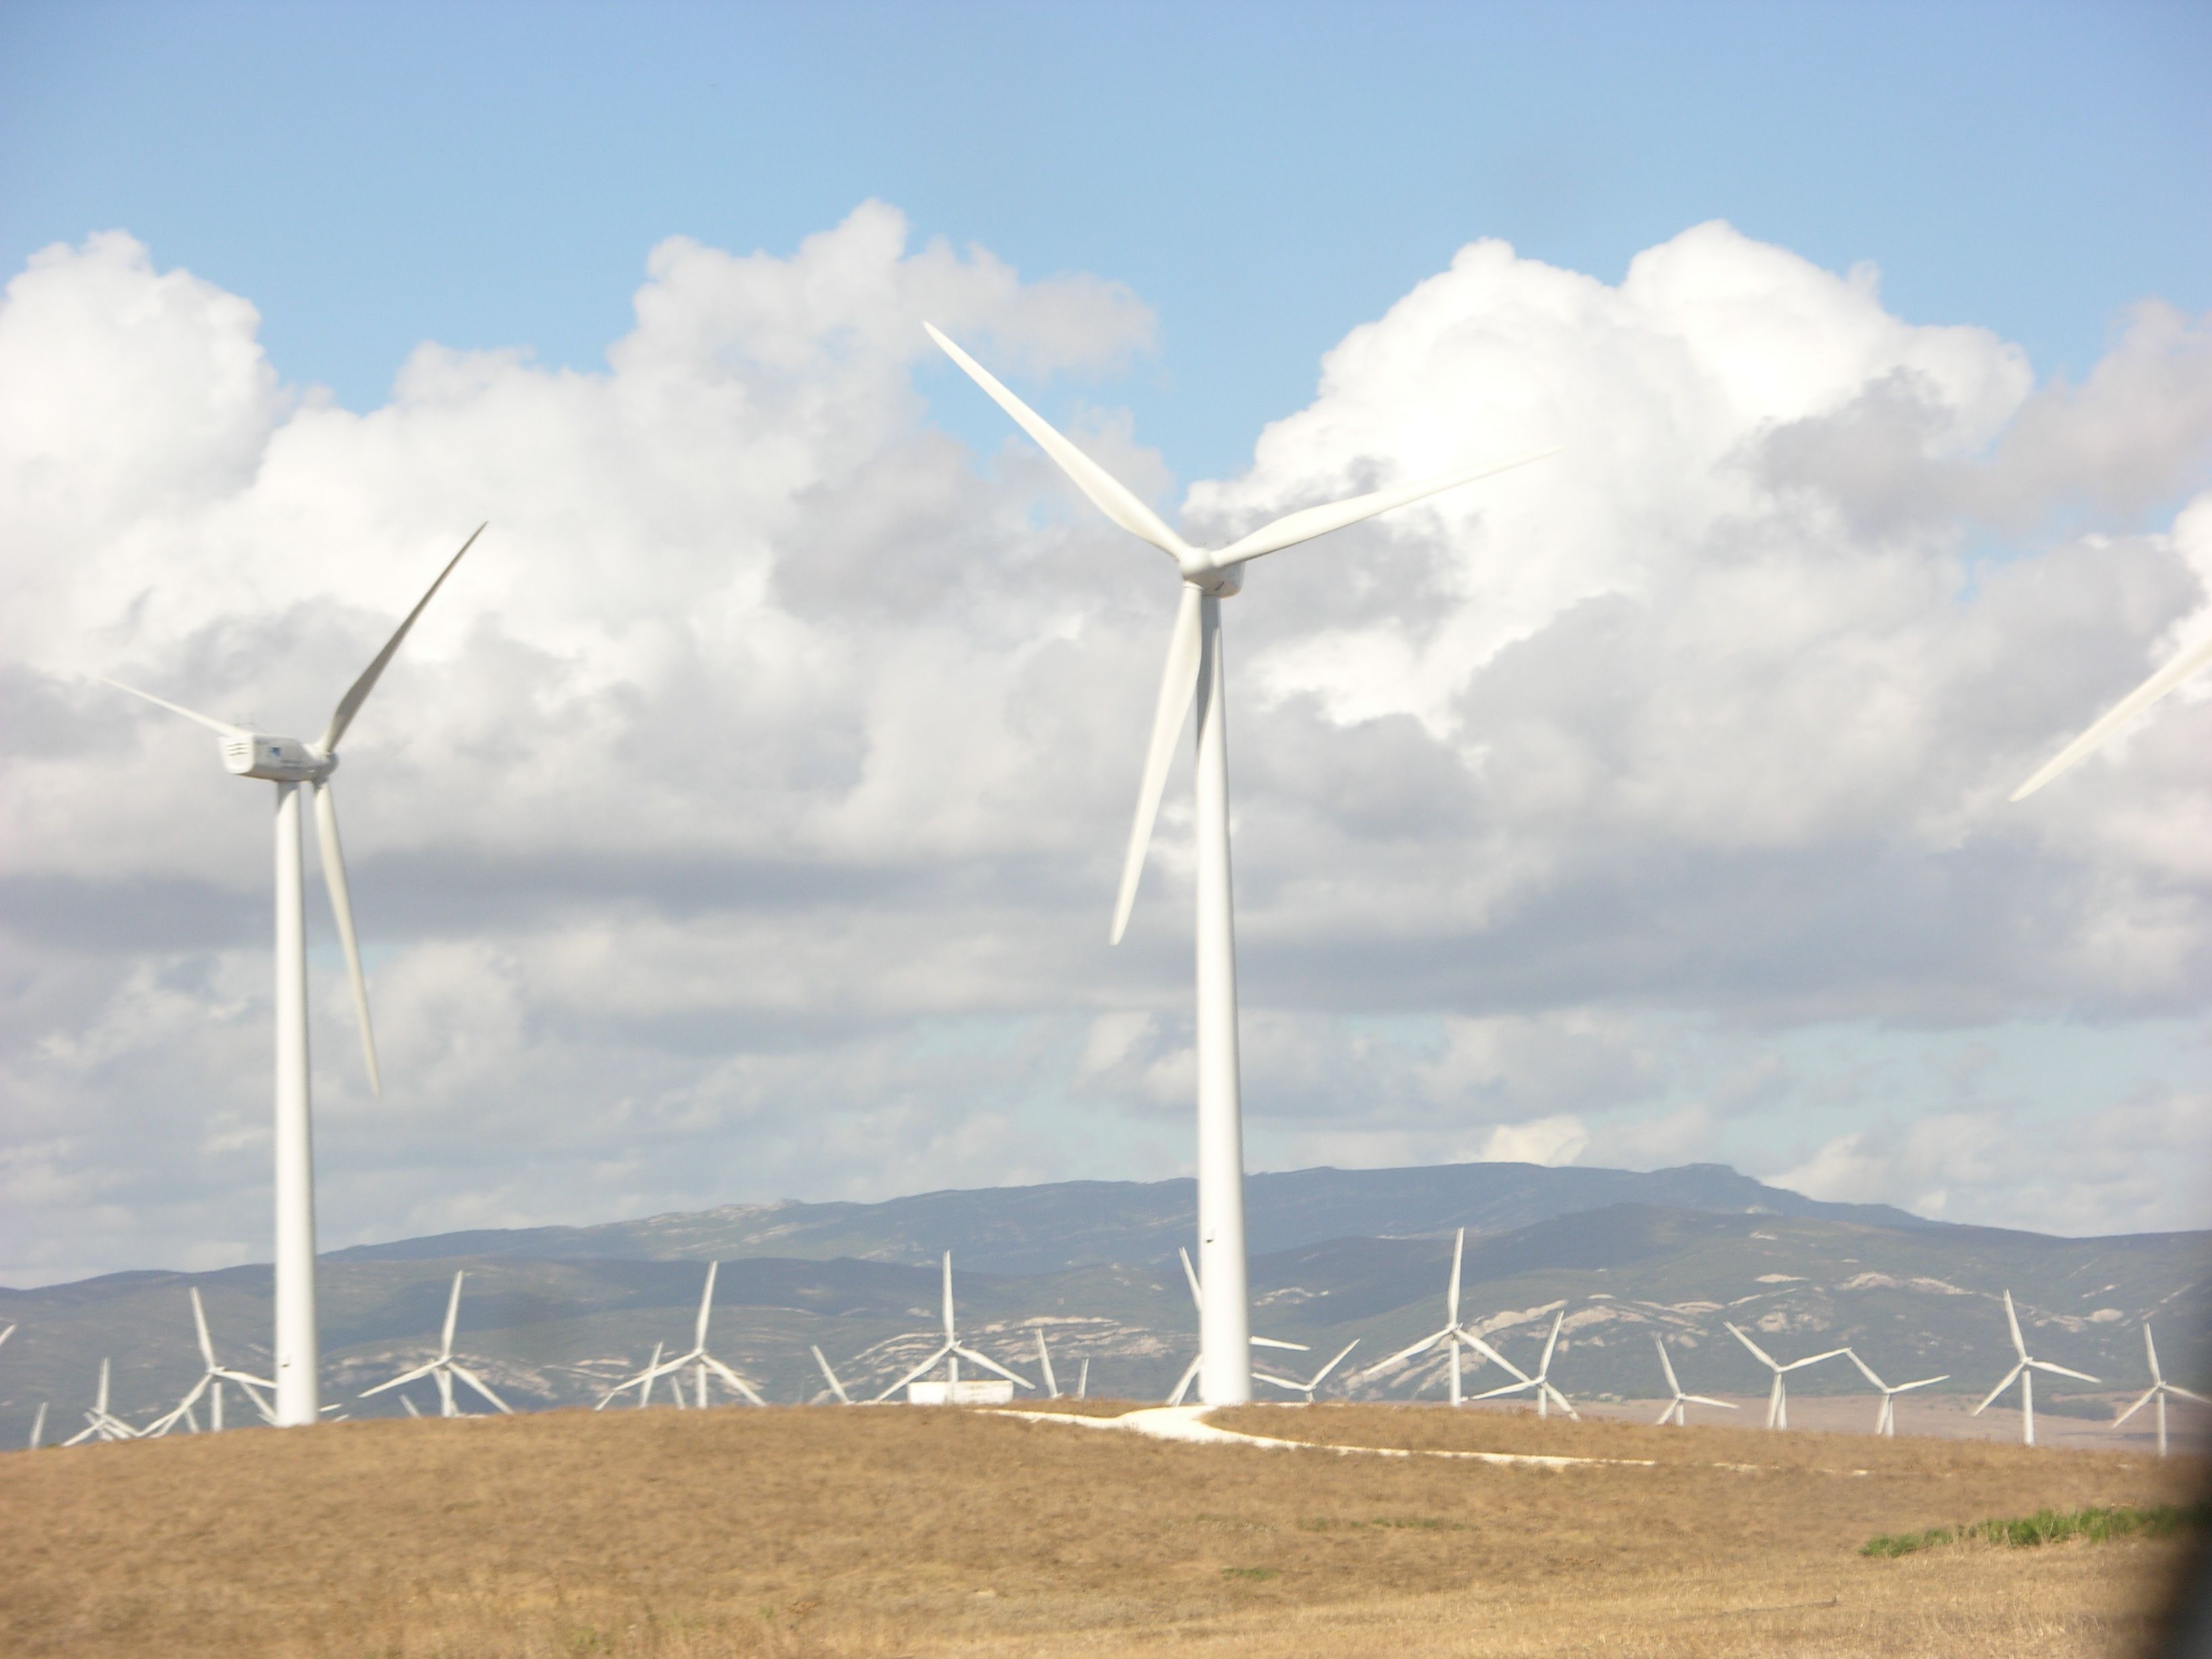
2050,1526
1256,1575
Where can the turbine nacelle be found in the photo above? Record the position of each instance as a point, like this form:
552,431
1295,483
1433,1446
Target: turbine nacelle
277,760
1215,581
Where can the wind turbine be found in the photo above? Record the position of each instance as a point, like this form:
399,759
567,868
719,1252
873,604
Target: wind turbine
2025,1371
1293,1386
698,1358
99,1422
288,763
2121,713
1194,671
1541,1382
951,1352
213,1378
1198,1300
445,1368
2160,1387
1777,1396
1885,1420
1677,1411
1451,1335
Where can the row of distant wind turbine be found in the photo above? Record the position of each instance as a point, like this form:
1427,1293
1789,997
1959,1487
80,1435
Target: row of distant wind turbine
444,1369
1194,672
1453,1336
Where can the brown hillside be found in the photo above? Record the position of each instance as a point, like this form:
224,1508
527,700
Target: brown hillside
900,1531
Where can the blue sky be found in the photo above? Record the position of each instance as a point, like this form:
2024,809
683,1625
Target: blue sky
742,820
1265,176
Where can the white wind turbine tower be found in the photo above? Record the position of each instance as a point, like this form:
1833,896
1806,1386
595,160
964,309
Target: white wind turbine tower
1541,1382
1677,1412
704,1363
212,1379
1195,671
2025,1371
1450,1334
2195,657
951,1352
1885,1420
288,763
1292,1385
99,1422
1198,1300
2160,1387
445,1368
1777,1396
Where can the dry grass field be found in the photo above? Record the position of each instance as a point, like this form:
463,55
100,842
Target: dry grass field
801,1532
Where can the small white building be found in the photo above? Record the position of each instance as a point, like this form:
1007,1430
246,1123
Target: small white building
991,1391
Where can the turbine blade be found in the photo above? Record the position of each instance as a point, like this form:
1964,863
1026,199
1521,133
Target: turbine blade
403,1379
1544,1366
453,1312
207,720
913,1374
334,877
1275,1342
199,1319
1421,1347
2000,1389
1493,1356
2185,1394
706,1309
732,1379
357,692
2126,709
1451,1297
1764,1358
1197,1296
1666,1365
1322,1375
2061,1371
482,1387
836,1387
1107,493
1183,1387
1867,1370
1310,522
2019,1346
949,1332
1044,1366
1705,1399
1812,1359
2150,1351
1511,1388
1178,686
1564,1404
1924,1383
2149,1394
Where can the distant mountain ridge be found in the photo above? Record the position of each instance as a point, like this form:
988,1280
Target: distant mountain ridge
1064,1225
